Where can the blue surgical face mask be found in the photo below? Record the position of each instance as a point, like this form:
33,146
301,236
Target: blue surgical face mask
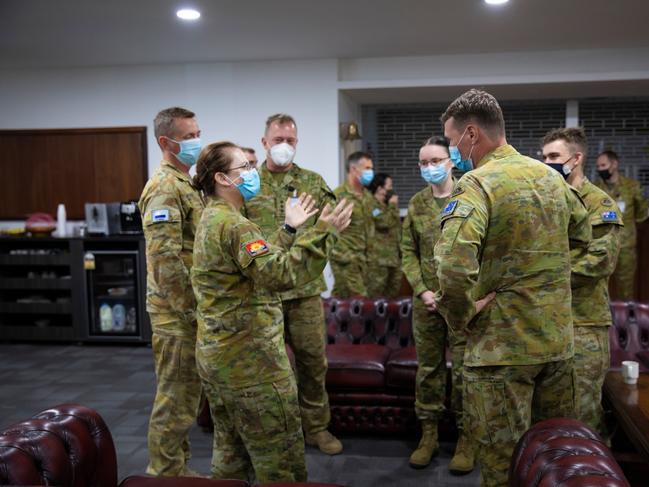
463,165
434,174
250,184
366,177
189,151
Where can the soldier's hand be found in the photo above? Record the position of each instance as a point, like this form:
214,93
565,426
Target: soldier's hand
394,200
428,298
481,303
340,217
297,212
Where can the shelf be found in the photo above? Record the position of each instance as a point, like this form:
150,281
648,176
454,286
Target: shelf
114,282
25,283
33,332
107,297
56,260
36,308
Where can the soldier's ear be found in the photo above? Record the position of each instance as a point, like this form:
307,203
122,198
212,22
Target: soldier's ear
221,179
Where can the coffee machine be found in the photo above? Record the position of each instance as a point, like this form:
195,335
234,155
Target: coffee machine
113,218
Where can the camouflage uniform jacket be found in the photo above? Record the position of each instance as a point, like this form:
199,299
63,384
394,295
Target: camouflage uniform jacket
421,230
355,241
591,267
236,277
627,193
171,208
506,228
267,210
387,233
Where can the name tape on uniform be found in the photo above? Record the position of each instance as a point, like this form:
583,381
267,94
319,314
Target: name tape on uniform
256,248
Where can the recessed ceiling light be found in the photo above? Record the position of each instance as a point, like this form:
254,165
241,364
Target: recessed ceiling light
496,2
188,14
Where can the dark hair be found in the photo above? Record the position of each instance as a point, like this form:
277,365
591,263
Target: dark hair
379,181
214,158
280,119
479,107
355,157
248,149
163,123
435,140
575,137
611,154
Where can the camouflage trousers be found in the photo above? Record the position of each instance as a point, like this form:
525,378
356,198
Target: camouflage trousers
349,280
176,403
257,432
622,280
431,337
591,363
384,281
304,331
502,402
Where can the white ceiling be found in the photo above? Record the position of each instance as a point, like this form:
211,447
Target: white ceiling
69,33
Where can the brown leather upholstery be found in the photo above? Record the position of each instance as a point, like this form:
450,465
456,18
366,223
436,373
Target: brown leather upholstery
70,446
563,452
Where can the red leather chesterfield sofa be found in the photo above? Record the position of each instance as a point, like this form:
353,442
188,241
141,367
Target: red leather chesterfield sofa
563,452
70,446
372,364
629,335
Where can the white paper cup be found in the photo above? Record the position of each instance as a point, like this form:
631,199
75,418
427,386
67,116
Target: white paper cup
630,371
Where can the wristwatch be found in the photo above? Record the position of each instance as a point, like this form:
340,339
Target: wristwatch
289,229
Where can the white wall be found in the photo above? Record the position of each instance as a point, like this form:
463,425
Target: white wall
231,100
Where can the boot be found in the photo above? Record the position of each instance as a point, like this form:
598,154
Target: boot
428,446
463,460
325,441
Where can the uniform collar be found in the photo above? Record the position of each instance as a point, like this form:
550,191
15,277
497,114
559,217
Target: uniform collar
175,171
289,176
498,153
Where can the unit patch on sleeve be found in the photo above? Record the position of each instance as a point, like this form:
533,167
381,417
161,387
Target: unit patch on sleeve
161,215
609,216
450,208
256,248
376,212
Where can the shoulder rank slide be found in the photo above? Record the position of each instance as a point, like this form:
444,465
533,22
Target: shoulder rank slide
257,248
609,216
449,208
161,215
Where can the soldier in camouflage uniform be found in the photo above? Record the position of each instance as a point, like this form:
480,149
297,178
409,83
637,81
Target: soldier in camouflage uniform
421,229
240,349
349,259
171,207
506,237
304,319
627,193
565,150
384,271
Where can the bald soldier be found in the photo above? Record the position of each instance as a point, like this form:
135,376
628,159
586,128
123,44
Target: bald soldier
627,194
349,259
503,265
304,319
171,208
565,151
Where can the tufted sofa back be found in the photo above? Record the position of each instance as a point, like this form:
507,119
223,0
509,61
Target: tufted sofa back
68,445
566,452
369,321
629,333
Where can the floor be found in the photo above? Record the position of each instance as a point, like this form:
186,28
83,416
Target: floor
119,382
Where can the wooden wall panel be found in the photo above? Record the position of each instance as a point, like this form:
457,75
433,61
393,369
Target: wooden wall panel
42,168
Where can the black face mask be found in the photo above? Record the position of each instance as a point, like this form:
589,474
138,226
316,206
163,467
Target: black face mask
605,174
388,194
559,168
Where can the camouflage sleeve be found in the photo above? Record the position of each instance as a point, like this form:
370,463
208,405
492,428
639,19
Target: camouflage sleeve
410,256
579,227
162,222
464,225
599,259
327,196
282,238
641,204
277,269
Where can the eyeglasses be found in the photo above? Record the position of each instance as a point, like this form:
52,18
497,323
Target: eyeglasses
435,161
246,166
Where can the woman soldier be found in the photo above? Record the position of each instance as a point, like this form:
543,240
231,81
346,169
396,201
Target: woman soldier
240,350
